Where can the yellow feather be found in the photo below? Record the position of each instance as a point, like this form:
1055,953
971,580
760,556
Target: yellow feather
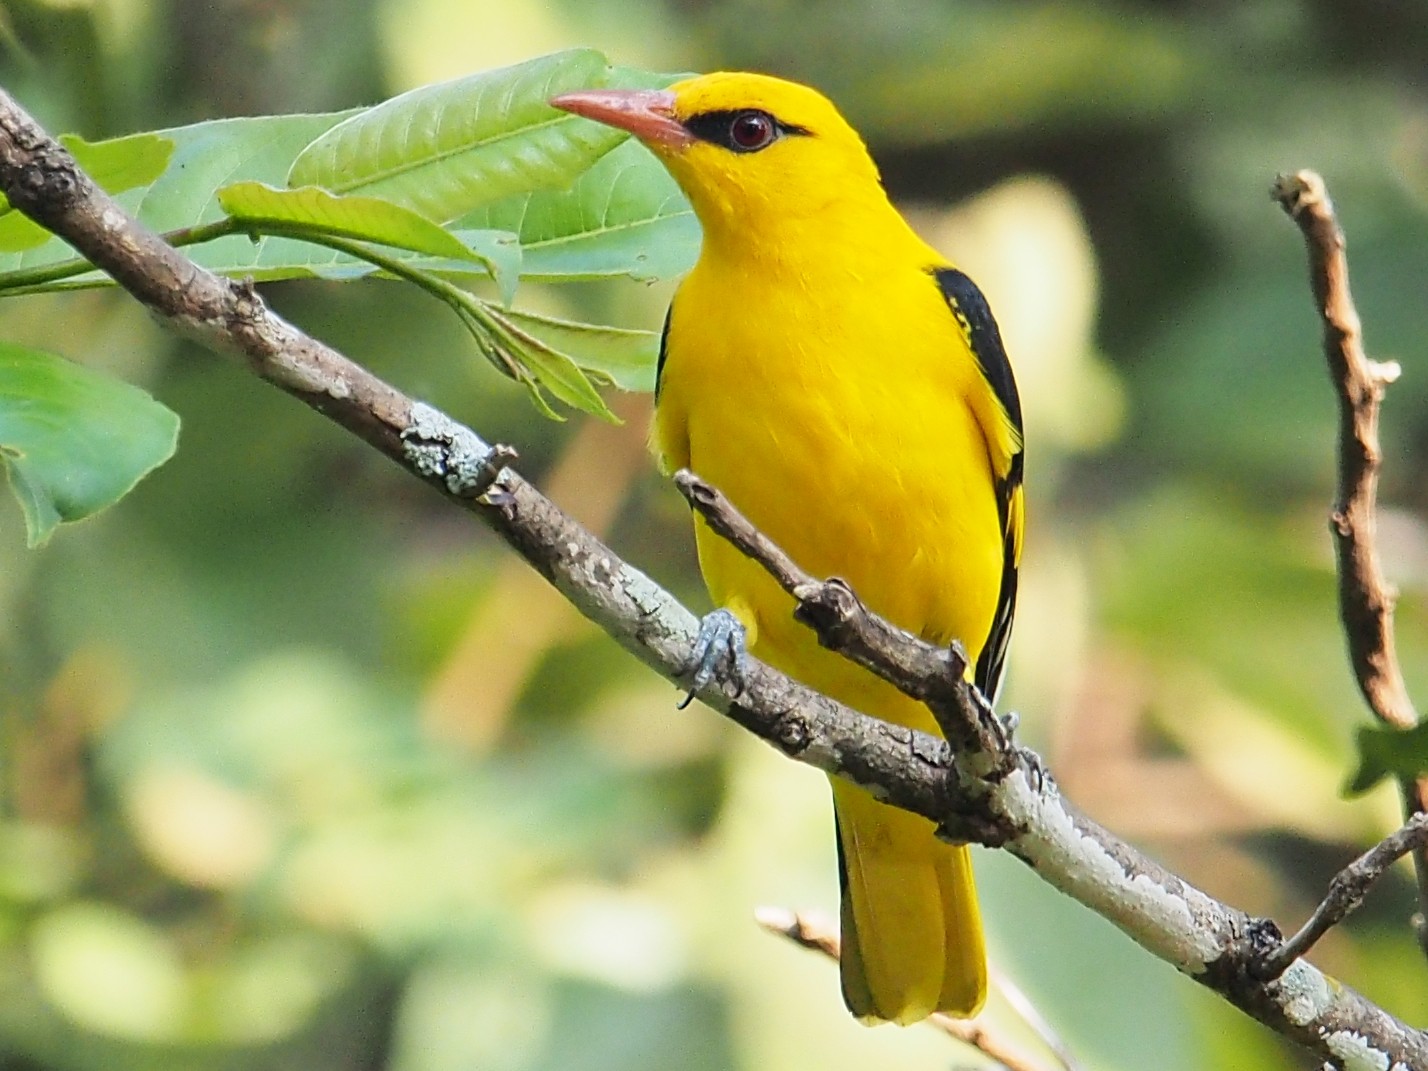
815,372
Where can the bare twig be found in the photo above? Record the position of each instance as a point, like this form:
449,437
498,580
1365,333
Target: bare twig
979,1033
1031,1015
1208,940
1366,598
1346,893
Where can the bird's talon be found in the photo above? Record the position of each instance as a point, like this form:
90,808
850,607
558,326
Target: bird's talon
1036,770
721,640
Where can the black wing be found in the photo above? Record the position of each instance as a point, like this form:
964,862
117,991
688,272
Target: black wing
663,349
974,316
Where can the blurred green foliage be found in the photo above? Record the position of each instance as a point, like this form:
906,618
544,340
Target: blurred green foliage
301,770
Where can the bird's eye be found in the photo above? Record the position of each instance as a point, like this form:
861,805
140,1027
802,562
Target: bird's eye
752,131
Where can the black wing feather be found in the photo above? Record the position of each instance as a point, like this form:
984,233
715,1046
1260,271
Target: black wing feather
663,349
974,315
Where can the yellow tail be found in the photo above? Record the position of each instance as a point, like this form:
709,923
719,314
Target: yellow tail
912,932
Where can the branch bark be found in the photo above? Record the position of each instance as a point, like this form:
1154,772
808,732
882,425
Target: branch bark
1366,599
993,790
1346,893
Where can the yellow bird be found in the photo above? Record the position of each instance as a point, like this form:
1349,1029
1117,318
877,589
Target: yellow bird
847,388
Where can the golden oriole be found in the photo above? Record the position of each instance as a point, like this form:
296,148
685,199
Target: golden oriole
847,388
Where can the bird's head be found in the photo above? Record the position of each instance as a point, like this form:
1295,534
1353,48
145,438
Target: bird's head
750,151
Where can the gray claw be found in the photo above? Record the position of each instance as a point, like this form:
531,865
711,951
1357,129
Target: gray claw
1037,771
721,639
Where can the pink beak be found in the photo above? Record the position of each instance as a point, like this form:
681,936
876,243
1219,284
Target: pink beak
648,114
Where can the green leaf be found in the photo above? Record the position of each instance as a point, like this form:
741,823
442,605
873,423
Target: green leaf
560,375
498,255
72,440
211,156
556,371
368,219
625,216
119,164
115,165
1386,752
206,156
444,149
624,357
19,232
499,249
622,217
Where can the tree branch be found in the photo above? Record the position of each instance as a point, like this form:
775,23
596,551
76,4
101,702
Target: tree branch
935,676
1366,599
1015,808
1346,893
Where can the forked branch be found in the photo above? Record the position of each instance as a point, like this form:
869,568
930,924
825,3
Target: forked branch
1346,893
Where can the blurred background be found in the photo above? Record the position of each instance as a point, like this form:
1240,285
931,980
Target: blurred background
300,769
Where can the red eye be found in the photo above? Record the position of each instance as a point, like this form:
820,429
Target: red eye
751,131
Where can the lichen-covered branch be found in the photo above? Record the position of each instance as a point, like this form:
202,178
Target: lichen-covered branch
1365,597
992,791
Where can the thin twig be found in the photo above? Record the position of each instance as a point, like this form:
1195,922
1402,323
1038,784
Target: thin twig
979,1033
1346,894
916,771
1366,598
1031,1015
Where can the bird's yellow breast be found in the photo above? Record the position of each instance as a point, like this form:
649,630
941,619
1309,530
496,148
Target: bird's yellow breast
848,432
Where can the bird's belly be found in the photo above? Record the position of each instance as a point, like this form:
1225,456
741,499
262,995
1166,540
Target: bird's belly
884,483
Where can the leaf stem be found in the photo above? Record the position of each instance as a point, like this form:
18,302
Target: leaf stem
35,280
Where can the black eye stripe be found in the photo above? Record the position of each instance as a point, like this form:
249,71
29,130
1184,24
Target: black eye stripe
717,126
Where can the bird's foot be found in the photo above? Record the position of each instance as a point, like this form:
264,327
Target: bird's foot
1036,769
1037,772
722,639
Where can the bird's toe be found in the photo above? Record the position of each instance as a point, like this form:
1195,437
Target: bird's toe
722,641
